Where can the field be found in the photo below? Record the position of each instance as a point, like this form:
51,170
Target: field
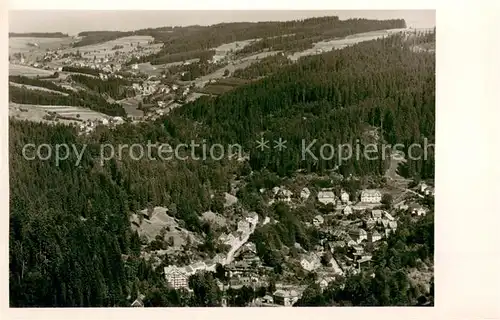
325,46
37,112
36,88
130,105
20,70
22,44
101,50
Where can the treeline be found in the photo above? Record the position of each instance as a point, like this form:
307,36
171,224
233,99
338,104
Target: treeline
86,70
386,281
116,88
161,58
329,98
38,35
77,99
94,37
69,224
198,40
38,83
263,68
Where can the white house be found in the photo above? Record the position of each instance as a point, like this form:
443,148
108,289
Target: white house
318,220
358,235
377,215
376,236
310,262
347,210
417,210
344,196
176,277
326,197
305,193
285,298
371,196
388,216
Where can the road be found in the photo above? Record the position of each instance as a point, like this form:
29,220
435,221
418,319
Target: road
236,246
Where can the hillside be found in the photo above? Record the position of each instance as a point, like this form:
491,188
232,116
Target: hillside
82,231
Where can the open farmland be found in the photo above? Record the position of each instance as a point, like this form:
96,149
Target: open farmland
20,70
325,46
36,88
37,112
26,44
101,50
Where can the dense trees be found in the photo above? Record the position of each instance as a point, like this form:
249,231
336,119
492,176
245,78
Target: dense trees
38,35
69,227
79,99
116,88
331,99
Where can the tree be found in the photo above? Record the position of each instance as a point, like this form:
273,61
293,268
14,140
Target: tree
206,293
387,200
326,258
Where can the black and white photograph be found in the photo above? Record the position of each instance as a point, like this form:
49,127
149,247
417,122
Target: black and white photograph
260,163
222,158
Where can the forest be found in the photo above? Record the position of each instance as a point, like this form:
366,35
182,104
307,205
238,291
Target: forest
70,240
78,99
38,35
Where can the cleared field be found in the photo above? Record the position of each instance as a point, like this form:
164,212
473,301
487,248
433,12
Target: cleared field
20,70
129,44
36,88
130,105
36,112
25,45
325,46
234,46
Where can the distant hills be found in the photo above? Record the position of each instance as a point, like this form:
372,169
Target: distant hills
38,35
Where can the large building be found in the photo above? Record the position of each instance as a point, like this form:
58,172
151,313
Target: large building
371,196
285,298
176,277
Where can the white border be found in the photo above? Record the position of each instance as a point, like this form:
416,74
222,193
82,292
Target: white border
467,233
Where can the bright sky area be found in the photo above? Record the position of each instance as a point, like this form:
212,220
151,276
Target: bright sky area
75,21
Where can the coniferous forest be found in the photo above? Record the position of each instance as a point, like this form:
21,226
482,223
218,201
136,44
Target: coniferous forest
71,244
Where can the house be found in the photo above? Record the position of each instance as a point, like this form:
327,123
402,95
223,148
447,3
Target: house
417,210
375,236
138,303
393,225
347,210
267,299
285,298
285,195
364,258
318,220
324,282
358,250
350,242
371,196
384,222
370,223
344,196
176,277
377,215
388,216
305,193
326,197
310,262
358,235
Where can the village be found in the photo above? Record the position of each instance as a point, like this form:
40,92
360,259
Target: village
351,231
